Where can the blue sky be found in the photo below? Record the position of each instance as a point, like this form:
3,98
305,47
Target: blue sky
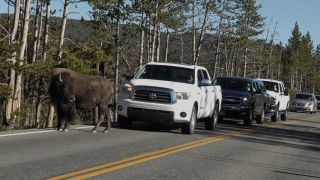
284,12
287,12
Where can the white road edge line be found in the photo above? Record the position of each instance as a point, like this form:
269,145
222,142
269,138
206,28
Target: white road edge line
38,132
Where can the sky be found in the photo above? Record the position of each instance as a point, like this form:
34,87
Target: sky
284,12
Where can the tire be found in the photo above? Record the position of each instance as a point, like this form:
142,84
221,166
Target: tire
124,123
248,118
260,118
284,115
189,127
211,122
275,116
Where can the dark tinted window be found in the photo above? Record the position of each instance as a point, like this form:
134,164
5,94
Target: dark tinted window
318,98
304,96
167,73
234,84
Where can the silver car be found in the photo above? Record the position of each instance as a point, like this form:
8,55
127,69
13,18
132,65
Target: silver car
305,102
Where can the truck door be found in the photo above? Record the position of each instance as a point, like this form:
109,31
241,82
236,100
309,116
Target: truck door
209,95
282,98
202,94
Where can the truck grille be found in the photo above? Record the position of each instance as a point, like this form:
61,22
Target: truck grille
231,100
152,96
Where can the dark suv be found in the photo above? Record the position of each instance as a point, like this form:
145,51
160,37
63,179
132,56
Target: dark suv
243,98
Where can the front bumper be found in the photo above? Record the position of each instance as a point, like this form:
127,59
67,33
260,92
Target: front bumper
301,108
271,108
234,111
155,112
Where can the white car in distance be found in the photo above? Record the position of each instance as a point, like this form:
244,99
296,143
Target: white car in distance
168,93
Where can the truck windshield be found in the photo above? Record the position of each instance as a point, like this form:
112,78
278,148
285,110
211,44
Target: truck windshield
233,84
271,86
167,73
304,96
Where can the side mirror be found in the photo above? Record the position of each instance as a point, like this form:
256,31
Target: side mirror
205,83
286,92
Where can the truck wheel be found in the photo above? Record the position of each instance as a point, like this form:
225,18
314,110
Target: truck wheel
189,127
124,122
248,118
211,122
275,116
284,116
260,118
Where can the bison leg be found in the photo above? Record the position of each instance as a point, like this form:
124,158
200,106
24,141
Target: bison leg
101,117
109,116
59,123
66,126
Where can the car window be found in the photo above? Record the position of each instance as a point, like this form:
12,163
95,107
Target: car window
233,84
271,86
166,73
318,98
304,96
205,75
200,76
261,86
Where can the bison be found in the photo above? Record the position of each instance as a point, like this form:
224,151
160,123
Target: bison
71,91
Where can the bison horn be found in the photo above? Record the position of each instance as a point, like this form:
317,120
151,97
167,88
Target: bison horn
60,77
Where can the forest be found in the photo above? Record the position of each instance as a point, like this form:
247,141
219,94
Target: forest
228,37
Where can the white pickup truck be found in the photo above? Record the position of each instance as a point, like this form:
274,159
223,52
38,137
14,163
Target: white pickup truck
279,103
168,93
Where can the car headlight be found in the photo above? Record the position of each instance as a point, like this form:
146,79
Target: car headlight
243,100
183,95
309,104
273,100
127,90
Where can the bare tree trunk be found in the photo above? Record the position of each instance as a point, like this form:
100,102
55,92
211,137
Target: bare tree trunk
40,29
45,52
50,116
182,46
13,61
36,33
193,33
159,42
115,115
141,39
245,61
63,28
167,46
154,32
18,86
46,32
200,41
279,64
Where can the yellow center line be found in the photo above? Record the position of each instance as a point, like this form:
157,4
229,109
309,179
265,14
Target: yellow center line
140,158
138,161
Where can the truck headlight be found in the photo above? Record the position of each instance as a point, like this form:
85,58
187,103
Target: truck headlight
183,95
127,91
243,100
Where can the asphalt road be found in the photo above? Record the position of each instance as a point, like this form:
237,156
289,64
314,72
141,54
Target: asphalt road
282,150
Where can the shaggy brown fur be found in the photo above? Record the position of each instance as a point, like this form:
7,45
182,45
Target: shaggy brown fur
71,91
